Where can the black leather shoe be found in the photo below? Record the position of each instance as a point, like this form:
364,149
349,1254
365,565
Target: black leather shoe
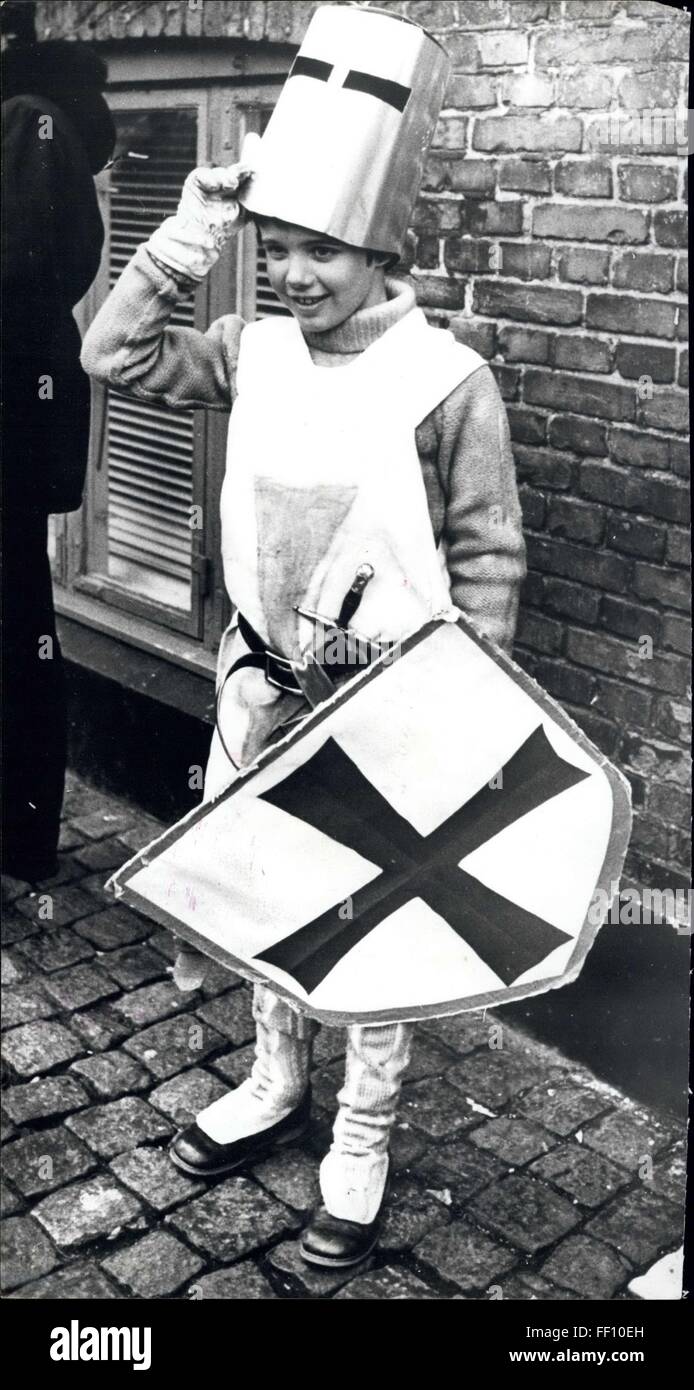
196,1153
334,1243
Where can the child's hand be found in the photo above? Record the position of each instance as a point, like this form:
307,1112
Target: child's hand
207,215
209,200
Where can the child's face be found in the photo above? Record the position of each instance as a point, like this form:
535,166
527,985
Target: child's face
320,280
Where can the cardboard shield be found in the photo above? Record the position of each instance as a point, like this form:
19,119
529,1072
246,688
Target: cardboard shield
437,837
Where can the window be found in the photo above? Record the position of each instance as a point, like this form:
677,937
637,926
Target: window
145,545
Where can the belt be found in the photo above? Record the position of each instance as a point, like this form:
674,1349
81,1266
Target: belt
279,671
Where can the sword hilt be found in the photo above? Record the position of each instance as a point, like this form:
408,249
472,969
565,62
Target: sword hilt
353,597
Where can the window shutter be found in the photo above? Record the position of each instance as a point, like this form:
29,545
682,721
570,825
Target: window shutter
150,447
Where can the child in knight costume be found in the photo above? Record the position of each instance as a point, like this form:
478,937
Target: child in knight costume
368,497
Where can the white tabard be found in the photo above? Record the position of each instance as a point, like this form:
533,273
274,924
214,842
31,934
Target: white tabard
323,476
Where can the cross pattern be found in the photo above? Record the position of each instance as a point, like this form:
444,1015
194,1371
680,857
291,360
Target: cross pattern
330,793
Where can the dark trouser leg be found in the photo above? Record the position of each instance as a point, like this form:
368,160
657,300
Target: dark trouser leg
34,709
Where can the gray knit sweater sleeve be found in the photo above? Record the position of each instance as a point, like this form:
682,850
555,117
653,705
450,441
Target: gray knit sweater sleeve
482,522
132,346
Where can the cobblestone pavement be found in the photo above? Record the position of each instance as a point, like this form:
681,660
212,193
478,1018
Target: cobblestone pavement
518,1174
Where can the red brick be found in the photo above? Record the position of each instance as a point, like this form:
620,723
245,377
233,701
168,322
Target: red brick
647,183
652,756
580,354
440,292
526,426
634,537
668,804
533,508
624,703
523,345
679,457
506,48
682,281
522,90
577,521
434,14
601,732
437,173
581,395
526,133
679,546
534,303
622,313
492,219
630,619
436,216
475,333
668,410
463,52
683,369
467,255
620,44
655,497
582,436
585,90
623,659
507,380
425,252
677,634
683,322
473,177
532,590
565,682
583,265
470,93
650,836
641,270
585,222
525,11
638,450
450,133
634,360
571,601
639,91
578,562
540,633
544,467
581,178
673,719
525,262
670,228
662,586
525,176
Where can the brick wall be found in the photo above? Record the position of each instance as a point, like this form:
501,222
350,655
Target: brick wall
557,249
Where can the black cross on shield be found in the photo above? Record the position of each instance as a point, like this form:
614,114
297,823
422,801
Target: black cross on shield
333,795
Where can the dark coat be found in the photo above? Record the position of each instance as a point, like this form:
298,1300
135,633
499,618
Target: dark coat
52,241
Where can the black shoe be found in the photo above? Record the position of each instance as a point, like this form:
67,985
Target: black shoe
195,1152
334,1243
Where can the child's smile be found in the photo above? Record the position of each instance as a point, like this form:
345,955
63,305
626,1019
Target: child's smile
322,281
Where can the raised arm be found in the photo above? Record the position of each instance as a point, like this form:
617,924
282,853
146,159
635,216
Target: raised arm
483,524
131,345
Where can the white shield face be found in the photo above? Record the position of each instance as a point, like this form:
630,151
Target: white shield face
344,150
430,842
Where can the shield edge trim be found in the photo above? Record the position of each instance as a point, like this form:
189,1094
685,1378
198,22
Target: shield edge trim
615,852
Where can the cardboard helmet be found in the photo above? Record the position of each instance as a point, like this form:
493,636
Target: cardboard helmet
344,150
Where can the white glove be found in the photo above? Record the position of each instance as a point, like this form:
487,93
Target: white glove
208,214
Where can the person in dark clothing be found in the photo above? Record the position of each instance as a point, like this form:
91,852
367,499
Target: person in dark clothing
57,132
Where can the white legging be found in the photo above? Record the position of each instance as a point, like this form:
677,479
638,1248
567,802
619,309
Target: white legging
353,1172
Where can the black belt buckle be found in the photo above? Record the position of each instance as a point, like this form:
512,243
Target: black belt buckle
275,663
